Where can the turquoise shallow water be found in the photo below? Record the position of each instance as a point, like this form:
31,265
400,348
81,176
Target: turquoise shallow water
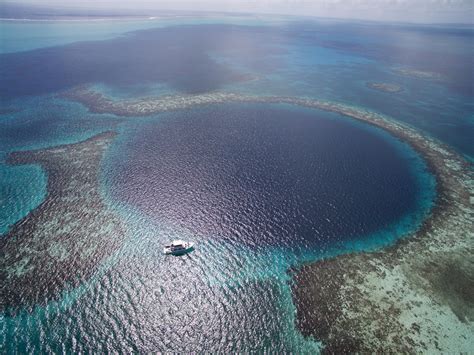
40,123
227,295
22,188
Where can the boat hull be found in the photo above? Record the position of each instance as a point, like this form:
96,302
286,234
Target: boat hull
169,251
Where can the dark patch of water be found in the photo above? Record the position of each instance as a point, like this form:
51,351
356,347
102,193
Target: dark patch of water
263,175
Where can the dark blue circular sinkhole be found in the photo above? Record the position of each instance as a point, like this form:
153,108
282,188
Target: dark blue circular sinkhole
266,174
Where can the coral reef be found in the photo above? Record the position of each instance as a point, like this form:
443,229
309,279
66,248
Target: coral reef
385,87
61,242
420,74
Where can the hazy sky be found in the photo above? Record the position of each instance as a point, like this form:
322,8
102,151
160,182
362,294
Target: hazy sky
426,11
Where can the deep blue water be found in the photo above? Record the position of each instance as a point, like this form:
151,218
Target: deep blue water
259,188
263,175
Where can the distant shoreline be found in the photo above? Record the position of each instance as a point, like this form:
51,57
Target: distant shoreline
83,19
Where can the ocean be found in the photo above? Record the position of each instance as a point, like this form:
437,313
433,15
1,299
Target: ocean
260,188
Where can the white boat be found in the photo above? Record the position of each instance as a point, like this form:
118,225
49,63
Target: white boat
178,247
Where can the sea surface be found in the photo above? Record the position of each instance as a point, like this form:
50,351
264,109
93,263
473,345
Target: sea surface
260,188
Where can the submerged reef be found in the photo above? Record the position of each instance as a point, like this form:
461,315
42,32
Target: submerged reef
420,74
8,110
385,87
415,296
61,242
99,103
